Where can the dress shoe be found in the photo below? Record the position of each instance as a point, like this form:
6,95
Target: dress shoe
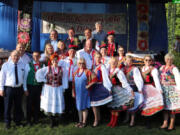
7,126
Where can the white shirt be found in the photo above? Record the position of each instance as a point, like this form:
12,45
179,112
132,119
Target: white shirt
138,80
54,44
105,77
89,58
155,75
7,74
122,78
41,76
71,69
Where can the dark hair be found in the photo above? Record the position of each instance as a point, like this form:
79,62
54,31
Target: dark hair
88,29
72,28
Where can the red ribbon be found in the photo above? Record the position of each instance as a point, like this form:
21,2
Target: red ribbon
111,49
111,32
73,46
71,63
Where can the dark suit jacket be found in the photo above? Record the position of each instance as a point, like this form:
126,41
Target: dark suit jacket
68,42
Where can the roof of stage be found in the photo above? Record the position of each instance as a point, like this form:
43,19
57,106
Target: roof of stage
105,1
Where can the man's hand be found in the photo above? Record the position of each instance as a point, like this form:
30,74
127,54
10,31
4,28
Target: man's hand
1,93
26,93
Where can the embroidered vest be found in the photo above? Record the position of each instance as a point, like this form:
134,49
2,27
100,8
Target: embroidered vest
114,79
54,79
121,63
167,76
31,80
128,71
98,73
147,77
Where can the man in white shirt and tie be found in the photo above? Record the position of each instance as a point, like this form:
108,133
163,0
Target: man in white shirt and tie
11,87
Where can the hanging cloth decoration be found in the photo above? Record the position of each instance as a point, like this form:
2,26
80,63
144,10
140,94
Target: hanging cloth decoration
142,7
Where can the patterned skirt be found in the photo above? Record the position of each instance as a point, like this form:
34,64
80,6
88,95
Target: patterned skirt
122,99
99,95
153,101
171,98
138,103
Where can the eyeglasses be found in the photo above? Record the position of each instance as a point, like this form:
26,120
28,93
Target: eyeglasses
148,60
81,63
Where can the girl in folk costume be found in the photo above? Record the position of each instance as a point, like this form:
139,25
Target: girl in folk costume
135,80
111,45
48,51
170,81
105,59
152,91
62,52
70,64
52,99
121,57
82,80
100,92
123,95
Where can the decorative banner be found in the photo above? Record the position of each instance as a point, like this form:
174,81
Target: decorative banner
142,7
62,22
24,29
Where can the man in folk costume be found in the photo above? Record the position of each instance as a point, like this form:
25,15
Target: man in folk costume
34,89
135,80
11,87
88,54
70,64
112,46
105,59
72,39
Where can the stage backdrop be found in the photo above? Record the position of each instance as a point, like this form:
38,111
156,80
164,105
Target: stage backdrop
126,35
59,15
8,24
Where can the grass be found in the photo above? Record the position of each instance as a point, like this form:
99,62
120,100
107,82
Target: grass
43,128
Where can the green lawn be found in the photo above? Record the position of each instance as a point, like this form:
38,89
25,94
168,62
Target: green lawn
43,129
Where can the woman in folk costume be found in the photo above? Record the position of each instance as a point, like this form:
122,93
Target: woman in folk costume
105,59
83,79
121,57
123,95
100,92
152,91
112,46
135,80
48,51
52,99
170,81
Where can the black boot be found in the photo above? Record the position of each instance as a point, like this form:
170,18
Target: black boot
52,121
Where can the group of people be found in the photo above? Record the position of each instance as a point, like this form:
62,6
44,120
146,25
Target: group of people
92,72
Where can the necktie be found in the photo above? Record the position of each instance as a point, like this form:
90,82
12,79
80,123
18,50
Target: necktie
16,74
